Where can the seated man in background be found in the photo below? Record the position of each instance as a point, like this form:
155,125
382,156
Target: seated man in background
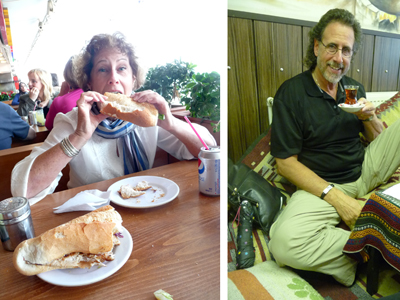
23,89
11,125
317,147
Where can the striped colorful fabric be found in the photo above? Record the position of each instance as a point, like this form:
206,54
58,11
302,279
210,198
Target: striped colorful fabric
389,111
378,226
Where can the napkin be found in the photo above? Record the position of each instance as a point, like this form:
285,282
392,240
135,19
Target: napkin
85,201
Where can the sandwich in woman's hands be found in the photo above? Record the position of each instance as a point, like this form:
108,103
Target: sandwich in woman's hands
123,107
80,243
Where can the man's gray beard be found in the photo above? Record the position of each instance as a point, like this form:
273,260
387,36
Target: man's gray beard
332,79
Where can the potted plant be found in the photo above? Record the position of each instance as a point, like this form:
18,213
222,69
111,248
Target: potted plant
202,98
7,96
169,80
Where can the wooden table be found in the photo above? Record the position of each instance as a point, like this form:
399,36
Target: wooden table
176,246
41,134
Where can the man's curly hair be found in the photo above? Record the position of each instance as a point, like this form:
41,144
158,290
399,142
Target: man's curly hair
334,15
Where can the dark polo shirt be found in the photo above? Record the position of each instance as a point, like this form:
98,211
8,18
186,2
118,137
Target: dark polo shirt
308,123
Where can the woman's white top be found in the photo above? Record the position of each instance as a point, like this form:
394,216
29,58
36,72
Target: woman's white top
98,160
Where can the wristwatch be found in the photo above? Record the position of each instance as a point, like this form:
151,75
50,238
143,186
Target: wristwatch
326,190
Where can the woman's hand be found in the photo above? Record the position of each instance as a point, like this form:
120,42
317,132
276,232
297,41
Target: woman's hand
160,104
34,93
87,121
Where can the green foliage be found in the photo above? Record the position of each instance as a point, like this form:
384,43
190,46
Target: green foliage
4,96
202,97
168,80
199,92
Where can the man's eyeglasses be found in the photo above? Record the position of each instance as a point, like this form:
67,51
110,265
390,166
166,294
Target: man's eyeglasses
332,49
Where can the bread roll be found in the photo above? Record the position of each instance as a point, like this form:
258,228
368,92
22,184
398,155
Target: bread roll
82,242
123,107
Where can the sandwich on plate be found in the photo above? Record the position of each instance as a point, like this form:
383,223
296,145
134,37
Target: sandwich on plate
80,243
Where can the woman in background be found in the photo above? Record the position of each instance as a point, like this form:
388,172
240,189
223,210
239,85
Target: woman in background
23,89
39,96
69,94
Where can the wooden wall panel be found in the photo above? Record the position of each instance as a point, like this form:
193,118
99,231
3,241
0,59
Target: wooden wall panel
279,57
386,64
243,124
361,65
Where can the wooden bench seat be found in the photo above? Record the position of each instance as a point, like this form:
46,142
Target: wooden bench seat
9,158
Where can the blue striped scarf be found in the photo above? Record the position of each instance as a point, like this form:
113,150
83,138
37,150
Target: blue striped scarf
135,158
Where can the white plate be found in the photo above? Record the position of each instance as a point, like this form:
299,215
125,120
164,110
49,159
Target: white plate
351,108
79,277
163,191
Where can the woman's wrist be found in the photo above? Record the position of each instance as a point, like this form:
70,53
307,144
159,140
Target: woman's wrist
77,140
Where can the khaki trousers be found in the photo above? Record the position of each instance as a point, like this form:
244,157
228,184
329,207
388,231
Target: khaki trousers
305,235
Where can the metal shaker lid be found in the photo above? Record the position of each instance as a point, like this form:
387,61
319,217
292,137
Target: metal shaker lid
13,207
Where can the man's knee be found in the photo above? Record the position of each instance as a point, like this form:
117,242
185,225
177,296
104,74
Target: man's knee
289,248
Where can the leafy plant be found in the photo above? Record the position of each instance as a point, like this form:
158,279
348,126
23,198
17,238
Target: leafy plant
5,96
169,80
202,97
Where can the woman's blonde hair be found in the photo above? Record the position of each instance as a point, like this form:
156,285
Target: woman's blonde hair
83,64
45,79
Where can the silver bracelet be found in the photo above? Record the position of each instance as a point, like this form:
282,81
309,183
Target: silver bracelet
68,149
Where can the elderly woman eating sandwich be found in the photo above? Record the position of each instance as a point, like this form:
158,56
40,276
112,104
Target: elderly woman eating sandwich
97,146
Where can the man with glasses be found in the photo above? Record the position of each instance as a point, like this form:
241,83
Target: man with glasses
317,147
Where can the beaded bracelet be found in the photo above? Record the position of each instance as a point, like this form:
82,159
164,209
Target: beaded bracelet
68,148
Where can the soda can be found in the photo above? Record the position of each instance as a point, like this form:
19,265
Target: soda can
32,118
209,171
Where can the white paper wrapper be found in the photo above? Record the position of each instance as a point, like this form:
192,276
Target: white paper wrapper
85,201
